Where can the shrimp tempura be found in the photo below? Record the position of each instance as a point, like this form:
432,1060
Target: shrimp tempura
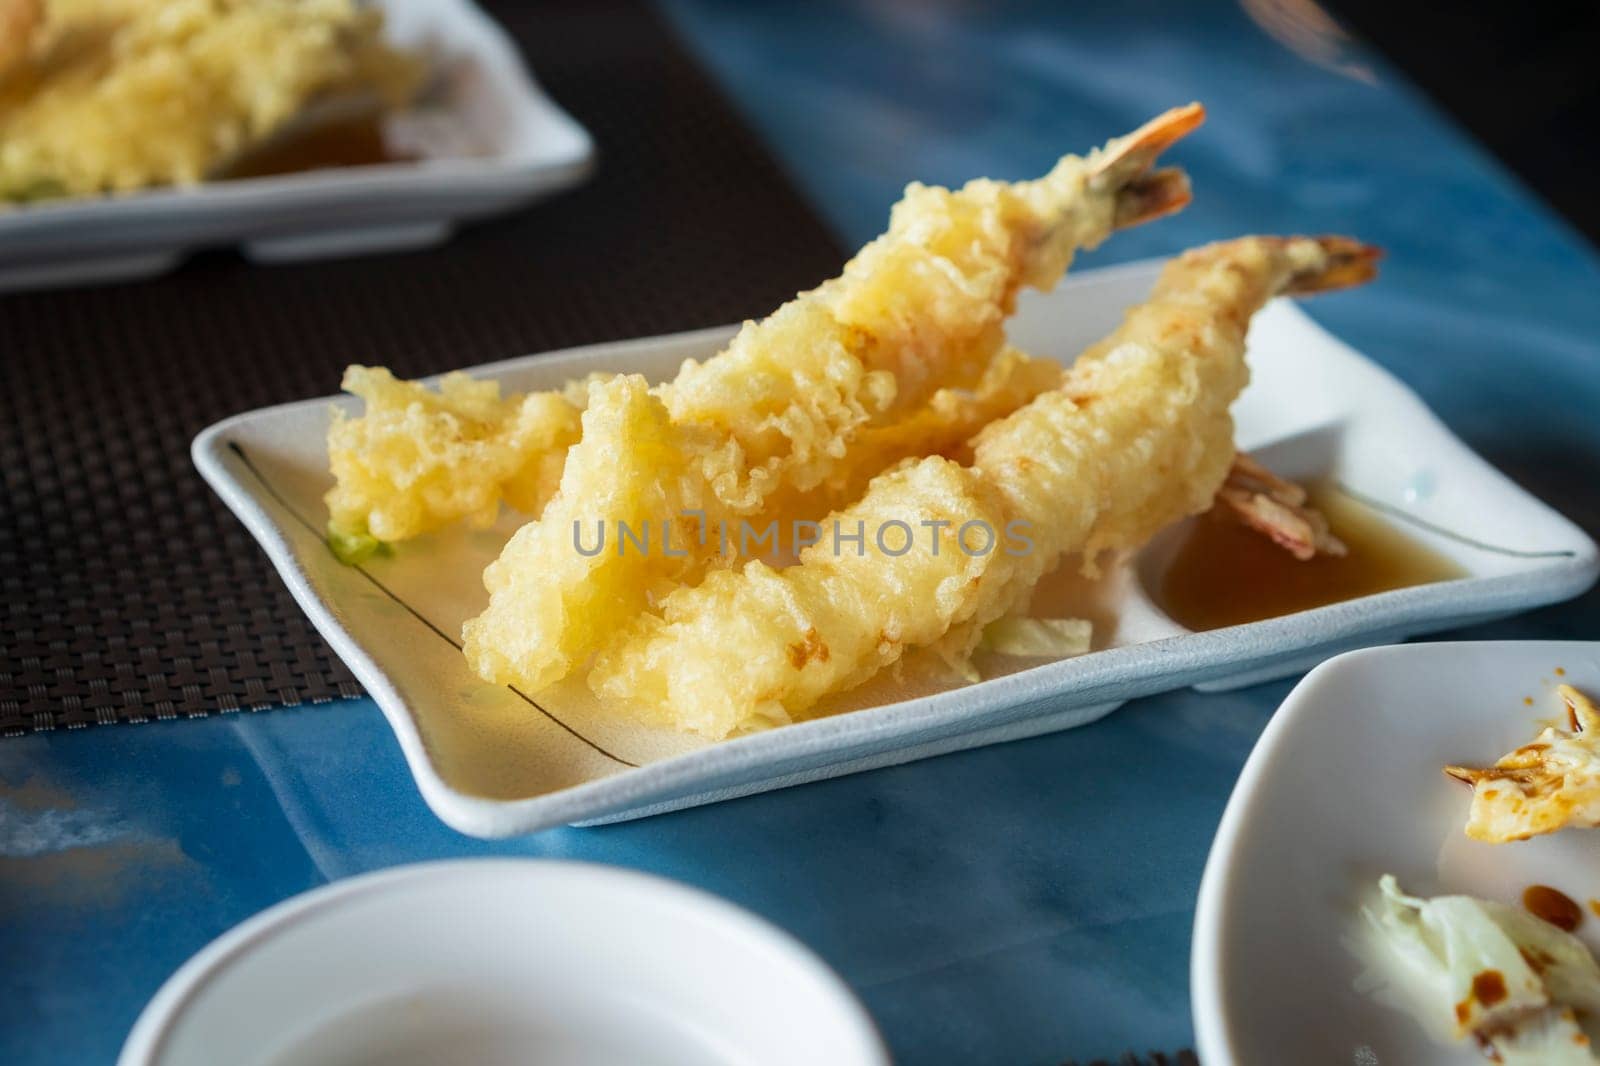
920,309
1137,437
781,409
917,311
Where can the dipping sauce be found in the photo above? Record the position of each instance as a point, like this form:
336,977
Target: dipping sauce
356,142
1553,906
1224,574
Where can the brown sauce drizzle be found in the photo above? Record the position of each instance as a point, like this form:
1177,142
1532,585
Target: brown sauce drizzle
1489,987
1553,906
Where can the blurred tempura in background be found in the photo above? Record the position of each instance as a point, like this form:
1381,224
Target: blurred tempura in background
102,96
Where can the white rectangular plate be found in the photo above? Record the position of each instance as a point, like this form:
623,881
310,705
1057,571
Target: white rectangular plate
487,137
491,763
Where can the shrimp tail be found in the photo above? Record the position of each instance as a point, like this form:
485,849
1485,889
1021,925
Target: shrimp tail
1135,153
1345,262
1152,196
1125,166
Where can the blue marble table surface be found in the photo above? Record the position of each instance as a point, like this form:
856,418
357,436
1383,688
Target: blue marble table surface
1022,904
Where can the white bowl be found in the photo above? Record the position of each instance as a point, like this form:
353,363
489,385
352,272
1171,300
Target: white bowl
490,962
1344,785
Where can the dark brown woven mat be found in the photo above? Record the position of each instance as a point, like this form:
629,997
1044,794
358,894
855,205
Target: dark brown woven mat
130,594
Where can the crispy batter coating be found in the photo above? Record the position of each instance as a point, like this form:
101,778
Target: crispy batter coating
914,316
419,458
780,410
1137,437
823,625
920,309
556,591
942,426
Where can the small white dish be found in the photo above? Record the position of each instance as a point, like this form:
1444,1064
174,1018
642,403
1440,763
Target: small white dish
504,962
1344,785
492,763
488,140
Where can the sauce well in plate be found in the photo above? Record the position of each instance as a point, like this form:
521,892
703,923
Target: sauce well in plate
1223,574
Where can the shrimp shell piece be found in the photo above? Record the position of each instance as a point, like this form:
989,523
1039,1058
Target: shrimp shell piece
1277,509
1544,786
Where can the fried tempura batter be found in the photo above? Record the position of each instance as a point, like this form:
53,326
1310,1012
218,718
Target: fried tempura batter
419,458
780,410
917,313
110,95
921,308
1137,437
942,426
580,598
780,640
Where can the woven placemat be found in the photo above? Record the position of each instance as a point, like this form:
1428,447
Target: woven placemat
130,594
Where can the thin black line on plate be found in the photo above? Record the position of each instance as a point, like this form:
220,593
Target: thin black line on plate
1460,538
418,615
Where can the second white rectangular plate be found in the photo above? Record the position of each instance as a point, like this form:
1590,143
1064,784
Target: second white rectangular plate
492,763
488,139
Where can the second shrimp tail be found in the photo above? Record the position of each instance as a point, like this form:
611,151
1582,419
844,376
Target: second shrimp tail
1125,164
1344,262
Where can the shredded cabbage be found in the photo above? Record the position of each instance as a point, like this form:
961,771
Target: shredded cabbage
1052,638
353,549
1548,1038
1467,966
